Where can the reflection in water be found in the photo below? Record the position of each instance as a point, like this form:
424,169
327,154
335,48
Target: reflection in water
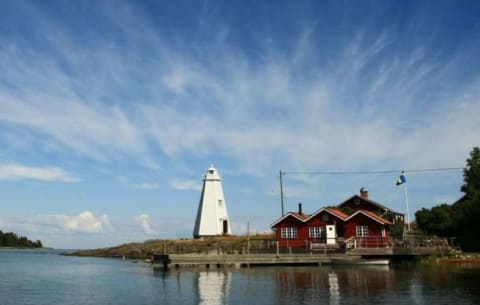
213,287
328,285
44,278
332,285
334,291
416,292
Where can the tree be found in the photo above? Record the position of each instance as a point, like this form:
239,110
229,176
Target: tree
437,221
471,174
10,239
460,219
467,210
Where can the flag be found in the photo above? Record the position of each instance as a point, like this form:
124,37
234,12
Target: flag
401,179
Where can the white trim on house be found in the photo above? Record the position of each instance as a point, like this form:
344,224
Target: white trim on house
368,215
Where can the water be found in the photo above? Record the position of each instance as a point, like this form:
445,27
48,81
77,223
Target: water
43,277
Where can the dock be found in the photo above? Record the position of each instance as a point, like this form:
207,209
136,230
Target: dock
211,261
167,261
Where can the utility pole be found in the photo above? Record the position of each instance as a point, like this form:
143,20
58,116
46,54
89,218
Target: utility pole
281,191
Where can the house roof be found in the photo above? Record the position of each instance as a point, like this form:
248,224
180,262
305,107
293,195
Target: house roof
370,215
296,215
305,217
332,211
379,205
337,212
302,216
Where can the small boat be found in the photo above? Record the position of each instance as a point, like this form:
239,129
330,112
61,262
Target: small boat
361,262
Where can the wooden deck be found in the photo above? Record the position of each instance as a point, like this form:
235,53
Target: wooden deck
413,251
166,261
307,256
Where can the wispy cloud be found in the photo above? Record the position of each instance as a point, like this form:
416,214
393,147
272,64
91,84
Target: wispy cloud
144,221
16,171
84,222
186,185
146,185
298,106
160,98
142,185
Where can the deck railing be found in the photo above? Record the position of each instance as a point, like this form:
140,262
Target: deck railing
371,242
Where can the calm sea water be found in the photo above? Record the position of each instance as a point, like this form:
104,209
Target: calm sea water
44,277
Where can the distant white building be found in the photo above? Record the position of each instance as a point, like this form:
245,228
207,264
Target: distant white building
212,217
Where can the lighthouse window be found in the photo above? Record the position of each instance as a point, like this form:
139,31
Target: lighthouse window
219,201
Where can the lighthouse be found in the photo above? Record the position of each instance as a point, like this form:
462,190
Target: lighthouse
212,217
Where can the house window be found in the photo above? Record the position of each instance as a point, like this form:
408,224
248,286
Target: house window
325,218
357,201
362,231
289,233
316,232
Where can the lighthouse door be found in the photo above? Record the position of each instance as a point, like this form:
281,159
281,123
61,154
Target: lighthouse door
225,226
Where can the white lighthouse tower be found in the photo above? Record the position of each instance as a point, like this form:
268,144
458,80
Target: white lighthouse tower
212,216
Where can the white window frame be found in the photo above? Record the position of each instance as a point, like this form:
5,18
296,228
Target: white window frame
362,231
288,233
317,232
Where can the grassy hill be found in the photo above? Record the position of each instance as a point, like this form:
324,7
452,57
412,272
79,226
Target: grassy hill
212,245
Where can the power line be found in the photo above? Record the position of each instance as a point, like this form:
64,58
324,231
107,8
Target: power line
368,172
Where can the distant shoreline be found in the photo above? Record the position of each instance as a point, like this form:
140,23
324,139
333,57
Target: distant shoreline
26,248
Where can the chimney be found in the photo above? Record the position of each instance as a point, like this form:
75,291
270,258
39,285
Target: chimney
364,192
300,208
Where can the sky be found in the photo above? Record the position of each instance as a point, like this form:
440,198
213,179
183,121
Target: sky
112,111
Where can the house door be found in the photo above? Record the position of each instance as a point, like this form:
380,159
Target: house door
331,234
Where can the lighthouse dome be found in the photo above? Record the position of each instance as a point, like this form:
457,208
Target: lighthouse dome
212,173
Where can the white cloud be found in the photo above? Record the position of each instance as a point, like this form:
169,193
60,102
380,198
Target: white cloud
186,185
139,185
16,171
283,107
146,185
144,221
85,222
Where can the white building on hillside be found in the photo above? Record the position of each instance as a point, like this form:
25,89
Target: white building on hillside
212,217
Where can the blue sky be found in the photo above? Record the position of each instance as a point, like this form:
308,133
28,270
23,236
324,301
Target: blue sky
111,111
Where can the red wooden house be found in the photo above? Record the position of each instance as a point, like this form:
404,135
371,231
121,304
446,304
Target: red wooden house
367,229
296,229
363,202
358,221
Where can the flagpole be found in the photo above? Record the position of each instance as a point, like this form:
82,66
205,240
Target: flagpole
406,203
281,191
